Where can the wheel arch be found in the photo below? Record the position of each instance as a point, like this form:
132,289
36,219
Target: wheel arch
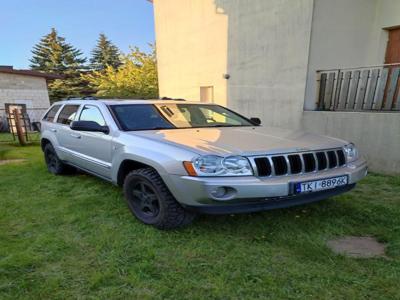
44,142
128,165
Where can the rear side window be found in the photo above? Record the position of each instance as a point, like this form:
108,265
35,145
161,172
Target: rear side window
67,114
49,116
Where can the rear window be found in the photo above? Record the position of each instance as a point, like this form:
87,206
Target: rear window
67,114
49,116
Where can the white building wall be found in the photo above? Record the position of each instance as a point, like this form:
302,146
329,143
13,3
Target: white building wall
191,41
271,50
23,89
352,34
268,44
348,33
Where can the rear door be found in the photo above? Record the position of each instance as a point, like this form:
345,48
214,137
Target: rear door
92,150
63,131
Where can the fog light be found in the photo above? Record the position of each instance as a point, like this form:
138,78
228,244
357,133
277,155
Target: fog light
219,192
223,193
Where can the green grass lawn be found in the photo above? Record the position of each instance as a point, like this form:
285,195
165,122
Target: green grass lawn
73,237
6,137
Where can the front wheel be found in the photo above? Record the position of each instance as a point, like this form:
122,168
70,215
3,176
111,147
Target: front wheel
151,202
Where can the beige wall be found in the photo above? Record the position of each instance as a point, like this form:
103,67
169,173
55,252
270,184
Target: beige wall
262,45
352,34
268,45
191,48
271,50
377,135
22,89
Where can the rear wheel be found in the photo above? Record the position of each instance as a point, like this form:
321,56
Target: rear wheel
53,162
151,202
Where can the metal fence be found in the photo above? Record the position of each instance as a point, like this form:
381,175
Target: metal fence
18,126
374,88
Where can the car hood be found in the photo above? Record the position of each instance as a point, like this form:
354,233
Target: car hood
243,140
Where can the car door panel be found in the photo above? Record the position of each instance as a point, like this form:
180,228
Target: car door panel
62,130
91,150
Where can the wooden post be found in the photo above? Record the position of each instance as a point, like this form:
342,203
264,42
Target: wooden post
20,132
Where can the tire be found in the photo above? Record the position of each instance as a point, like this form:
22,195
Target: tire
54,164
151,202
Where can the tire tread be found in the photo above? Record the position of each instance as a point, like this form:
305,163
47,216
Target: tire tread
175,215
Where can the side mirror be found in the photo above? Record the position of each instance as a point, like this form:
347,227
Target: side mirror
255,121
89,126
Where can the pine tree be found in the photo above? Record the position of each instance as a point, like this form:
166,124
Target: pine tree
105,54
54,55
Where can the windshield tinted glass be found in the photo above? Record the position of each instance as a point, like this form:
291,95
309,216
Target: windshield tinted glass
168,116
139,117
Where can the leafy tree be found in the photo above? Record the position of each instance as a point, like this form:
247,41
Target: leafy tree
105,54
54,55
135,78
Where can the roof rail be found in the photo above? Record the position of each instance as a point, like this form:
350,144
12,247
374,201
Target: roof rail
81,98
174,99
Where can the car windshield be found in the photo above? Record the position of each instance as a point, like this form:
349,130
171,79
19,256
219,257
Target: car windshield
172,116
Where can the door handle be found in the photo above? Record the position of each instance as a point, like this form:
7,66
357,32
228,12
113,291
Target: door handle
53,130
77,136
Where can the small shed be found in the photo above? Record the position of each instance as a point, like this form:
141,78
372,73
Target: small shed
25,90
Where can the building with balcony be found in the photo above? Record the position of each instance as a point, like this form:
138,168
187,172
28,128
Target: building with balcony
330,67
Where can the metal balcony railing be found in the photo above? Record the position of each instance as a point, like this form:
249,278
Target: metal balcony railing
373,88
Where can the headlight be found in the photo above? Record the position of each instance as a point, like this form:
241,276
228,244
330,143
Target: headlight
212,165
351,152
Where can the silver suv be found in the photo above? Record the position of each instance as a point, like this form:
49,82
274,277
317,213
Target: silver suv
176,158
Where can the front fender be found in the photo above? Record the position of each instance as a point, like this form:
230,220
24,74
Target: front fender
165,159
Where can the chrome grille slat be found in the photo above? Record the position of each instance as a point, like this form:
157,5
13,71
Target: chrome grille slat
311,164
272,165
288,167
327,160
316,162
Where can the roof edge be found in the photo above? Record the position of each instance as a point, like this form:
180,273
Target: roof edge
47,76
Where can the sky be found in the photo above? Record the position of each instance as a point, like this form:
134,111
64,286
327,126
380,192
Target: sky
23,22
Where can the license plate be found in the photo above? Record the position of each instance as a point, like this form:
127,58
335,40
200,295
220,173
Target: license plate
319,185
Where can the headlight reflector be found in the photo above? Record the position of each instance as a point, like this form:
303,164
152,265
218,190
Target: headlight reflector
213,165
208,164
236,164
351,152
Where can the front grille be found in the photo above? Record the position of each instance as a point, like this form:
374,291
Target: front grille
297,163
322,161
263,166
280,165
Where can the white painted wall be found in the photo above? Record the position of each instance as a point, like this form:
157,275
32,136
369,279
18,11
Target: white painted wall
377,135
267,58
352,34
191,41
271,50
23,89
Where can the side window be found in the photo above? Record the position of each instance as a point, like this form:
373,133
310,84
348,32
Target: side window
49,116
67,114
92,113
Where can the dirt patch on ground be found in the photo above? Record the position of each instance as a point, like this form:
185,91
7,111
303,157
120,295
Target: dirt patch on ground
357,246
10,161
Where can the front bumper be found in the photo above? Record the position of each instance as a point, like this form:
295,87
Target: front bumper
256,193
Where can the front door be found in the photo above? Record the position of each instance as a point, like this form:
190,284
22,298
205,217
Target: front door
392,93
393,47
92,150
